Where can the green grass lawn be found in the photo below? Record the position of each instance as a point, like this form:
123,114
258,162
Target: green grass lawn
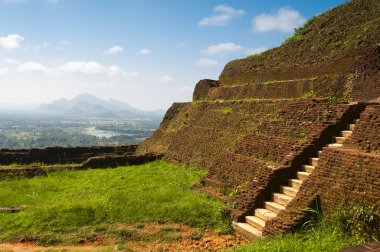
320,238
68,205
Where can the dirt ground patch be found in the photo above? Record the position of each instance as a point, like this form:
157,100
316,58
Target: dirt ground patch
144,237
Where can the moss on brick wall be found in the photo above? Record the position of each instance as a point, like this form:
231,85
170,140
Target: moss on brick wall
197,133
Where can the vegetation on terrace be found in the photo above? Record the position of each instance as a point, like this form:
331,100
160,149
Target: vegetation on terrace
66,207
337,42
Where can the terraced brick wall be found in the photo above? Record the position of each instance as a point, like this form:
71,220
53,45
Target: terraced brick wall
197,133
276,151
321,86
344,176
367,135
336,55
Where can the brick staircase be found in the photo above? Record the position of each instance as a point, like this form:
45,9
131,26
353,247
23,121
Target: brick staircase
255,224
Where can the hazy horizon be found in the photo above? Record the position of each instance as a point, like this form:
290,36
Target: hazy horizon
9,107
146,53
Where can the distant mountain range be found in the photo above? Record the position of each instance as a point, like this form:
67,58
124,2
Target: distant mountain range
89,106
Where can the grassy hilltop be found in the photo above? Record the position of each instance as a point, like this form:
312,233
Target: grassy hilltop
340,47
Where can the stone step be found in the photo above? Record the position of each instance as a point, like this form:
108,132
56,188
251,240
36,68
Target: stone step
351,127
290,191
302,175
335,145
281,199
273,206
247,230
346,133
340,140
295,183
308,168
255,222
314,161
264,214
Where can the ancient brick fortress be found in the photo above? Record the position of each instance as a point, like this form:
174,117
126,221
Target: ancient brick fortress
277,130
296,123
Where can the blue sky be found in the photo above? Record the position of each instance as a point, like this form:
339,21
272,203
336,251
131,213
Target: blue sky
149,53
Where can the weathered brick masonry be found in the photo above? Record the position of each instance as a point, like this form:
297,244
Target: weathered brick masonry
197,133
317,86
62,155
367,134
348,175
276,151
21,172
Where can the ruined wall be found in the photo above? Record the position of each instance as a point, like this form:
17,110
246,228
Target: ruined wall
118,160
367,134
335,55
62,155
21,172
321,86
276,151
175,118
343,177
269,113
197,133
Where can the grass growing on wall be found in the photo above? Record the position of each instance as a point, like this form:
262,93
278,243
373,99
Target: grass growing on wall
64,204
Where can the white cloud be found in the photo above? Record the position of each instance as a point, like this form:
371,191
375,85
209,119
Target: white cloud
4,71
94,68
84,67
114,50
223,14
114,71
253,51
77,67
284,19
11,42
144,51
31,67
11,61
204,62
223,48
167,78
40,47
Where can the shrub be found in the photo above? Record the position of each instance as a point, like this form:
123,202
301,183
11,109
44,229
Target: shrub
359,221
299,32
